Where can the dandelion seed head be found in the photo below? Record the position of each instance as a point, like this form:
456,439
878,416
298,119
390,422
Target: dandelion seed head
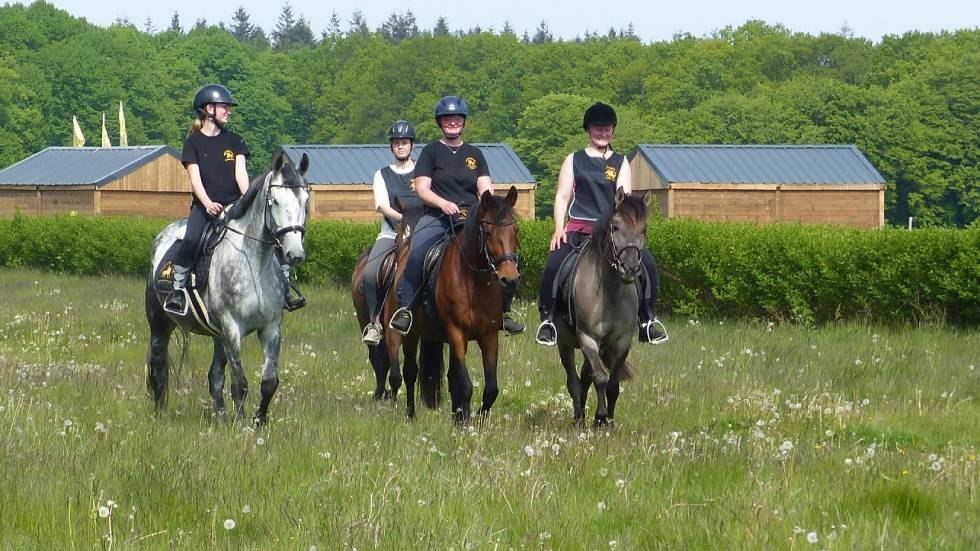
601,506
229,524
529,450
812,537
247,509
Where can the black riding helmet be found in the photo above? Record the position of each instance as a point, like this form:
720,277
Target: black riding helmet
451,105
401,130
598,114
212,93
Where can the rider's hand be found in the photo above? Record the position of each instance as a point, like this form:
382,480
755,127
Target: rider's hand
214,209
449,208
558,238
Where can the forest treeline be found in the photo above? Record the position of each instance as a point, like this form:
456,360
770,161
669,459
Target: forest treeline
911,103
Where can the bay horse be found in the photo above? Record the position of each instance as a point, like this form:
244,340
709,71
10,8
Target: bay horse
478,262
602,300
430,352
246,291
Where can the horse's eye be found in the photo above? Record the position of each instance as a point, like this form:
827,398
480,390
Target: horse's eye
614,227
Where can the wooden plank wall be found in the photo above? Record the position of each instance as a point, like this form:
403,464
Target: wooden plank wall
165,173
852,207
57,201
147,203
356,202
24,200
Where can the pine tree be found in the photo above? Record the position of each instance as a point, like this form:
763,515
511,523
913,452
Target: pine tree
241,28
175,24
542,35
148,27
441,28
358,25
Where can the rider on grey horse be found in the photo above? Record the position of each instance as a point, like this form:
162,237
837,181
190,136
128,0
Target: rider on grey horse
215,159
588,180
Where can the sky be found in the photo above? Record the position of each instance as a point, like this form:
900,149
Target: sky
653,20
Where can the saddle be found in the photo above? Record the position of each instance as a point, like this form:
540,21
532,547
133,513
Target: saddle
197,277
562,288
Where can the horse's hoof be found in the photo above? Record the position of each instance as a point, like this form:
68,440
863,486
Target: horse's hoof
260,420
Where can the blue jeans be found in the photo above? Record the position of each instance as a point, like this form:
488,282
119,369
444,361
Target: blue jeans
429,230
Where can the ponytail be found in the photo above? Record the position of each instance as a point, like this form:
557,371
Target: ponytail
195,126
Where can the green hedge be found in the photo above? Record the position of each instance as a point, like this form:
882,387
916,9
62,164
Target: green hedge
805,274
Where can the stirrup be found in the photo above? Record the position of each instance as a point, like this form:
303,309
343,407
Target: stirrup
294,303
648,329
187,302
554,331
399,314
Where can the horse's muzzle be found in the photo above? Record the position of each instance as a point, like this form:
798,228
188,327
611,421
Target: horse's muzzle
509,284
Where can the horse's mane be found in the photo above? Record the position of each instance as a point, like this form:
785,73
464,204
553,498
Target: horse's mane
241,206
633,209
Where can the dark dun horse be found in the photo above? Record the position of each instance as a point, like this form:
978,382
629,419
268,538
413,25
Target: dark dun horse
603,301
246,291
478,262
431,353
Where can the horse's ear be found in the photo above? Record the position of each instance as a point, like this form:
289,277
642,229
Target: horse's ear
620,195
648,199
304,164
512,196
279,161
485,197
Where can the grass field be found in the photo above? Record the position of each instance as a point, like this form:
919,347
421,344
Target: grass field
735,435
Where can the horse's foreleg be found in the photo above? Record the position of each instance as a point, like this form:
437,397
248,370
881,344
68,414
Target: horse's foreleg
216,377
239,386
600,376
430,373
158,358
489,349
617,363
271,342
460,385
567,356
379,362
410,347
393,343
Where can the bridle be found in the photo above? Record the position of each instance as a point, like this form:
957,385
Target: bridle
615,259
277,233
492,263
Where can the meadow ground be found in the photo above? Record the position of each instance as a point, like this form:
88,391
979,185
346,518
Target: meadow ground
735,435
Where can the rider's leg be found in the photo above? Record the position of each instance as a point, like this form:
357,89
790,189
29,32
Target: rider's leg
429,229
546,333
651,329
177,300
510,325
369,283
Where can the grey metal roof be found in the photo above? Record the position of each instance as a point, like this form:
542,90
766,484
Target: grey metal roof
81,166
356,164
760,164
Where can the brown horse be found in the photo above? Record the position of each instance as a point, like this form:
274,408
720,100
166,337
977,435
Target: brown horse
479,261
603,298
431,352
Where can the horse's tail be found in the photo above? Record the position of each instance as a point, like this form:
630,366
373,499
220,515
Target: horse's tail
629,371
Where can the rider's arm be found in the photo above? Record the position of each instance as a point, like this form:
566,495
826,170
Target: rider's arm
563,196
423,188
625,179
241,173
197,186
483,183
381,202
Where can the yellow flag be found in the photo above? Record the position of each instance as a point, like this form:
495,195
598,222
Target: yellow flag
77,139
105,135
123,136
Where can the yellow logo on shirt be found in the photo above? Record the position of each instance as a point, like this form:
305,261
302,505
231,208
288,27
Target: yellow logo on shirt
611,173
229,155
411,184
471,163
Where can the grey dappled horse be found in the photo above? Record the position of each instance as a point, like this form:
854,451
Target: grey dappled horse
246,290
603,299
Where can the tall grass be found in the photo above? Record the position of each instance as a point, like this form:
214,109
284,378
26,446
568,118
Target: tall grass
735,435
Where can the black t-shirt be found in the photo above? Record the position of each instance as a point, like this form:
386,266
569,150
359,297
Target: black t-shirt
453,173
215,156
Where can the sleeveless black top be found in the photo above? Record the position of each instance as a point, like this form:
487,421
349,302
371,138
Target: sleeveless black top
401,186
595,184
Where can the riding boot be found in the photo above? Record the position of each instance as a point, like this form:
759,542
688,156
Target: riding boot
401,321
652,330
176,302
294,298
510,325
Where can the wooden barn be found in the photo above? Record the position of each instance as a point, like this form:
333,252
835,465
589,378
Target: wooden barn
148,180
810,184
340,177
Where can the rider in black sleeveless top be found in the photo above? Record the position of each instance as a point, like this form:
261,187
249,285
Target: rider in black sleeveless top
393,181
588,179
